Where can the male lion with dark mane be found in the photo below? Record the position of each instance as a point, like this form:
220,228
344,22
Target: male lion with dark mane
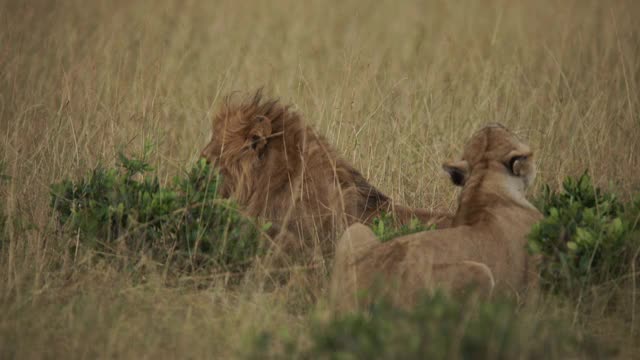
282,171
485,245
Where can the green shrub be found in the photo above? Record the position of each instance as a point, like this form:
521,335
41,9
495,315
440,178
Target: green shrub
587,236
438,327
186,220
384,227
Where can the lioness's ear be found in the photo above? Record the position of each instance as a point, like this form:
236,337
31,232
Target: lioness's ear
458,171
520,163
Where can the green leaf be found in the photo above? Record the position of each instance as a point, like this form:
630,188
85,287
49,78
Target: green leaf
584,236
266,226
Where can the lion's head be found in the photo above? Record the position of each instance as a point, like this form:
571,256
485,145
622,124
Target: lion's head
248,144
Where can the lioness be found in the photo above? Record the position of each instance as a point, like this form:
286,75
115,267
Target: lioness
485,245
278,169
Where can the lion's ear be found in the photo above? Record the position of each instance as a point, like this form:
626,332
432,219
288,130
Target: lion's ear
259,134
258,143
458,171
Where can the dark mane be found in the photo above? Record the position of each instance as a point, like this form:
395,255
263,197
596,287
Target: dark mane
256,106
374,198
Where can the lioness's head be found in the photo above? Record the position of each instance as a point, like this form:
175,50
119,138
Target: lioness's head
497,149
247,140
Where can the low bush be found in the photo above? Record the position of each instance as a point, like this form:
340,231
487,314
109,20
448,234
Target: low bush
587,237
185,222
438,327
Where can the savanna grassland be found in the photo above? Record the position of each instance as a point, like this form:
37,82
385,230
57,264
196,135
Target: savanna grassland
397,86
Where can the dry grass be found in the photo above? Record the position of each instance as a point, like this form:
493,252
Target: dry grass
397,86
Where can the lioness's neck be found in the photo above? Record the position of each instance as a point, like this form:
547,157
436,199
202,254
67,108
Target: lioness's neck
485,193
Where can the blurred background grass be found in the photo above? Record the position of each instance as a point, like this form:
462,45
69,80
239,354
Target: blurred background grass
397,86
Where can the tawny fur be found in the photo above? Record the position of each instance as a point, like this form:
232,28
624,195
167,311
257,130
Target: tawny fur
484,247
281,170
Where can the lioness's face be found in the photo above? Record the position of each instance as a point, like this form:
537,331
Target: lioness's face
497,147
